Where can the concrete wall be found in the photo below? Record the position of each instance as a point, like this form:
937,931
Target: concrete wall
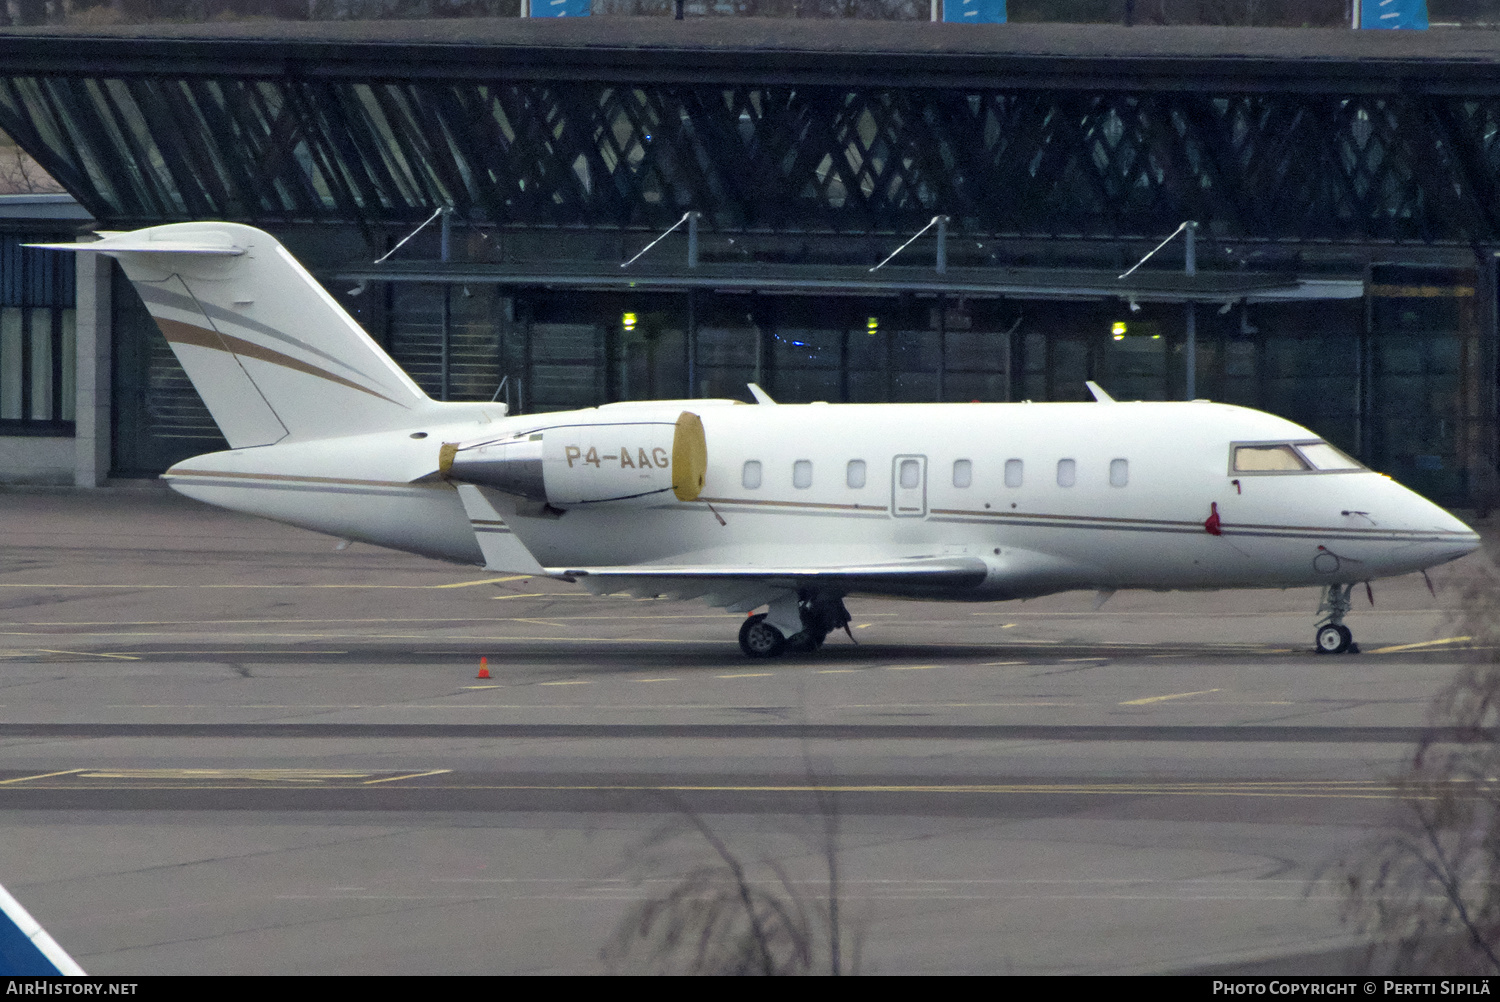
37,460
91,461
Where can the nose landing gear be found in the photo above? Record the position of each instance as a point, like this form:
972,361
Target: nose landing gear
820,615
1334,639
1332,636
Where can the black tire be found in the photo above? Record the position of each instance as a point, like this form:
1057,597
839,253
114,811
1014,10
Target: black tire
1331,639
759,639
804,643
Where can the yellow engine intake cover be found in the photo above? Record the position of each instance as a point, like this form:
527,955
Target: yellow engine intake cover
689,457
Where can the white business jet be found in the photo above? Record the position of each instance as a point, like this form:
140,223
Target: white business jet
790,507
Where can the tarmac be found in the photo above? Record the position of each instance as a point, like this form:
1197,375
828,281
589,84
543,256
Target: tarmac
229,747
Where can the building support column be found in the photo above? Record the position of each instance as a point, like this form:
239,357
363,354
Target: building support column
1484,449
93,419
444,254
942,369
1190,321
691,345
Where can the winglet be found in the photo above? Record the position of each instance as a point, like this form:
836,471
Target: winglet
1098,392
25,947
502,550
760,395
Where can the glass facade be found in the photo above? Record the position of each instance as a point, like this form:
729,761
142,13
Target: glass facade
1427,378
38,343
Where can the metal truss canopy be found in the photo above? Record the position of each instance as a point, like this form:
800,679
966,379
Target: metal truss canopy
1260,135
1034,283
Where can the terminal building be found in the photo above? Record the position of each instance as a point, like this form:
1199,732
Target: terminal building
1344,186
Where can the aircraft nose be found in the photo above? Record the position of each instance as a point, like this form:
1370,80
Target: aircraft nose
1454,539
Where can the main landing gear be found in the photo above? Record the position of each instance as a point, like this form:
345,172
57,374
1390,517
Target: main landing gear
1332,636
764,634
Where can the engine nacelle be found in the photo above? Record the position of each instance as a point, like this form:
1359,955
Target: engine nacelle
576,464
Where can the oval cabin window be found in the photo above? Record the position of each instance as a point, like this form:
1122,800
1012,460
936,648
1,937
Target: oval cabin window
1119,472
1067,472
750,477
1013,472
963,472
911,474
802,474
855,476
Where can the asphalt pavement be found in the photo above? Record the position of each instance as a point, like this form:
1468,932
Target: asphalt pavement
228,746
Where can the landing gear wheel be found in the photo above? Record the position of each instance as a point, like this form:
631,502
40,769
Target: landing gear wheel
1334,639
1332,636
759,639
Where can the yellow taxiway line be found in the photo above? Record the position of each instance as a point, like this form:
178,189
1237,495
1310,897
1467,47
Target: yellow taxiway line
45,775
1424,644
1163,699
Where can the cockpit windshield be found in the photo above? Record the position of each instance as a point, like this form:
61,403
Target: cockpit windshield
1325,457
1290,457
1267,459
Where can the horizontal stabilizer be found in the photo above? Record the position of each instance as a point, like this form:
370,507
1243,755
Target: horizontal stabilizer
25,947
144,242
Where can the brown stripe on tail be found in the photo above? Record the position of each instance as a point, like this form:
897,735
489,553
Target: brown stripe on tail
180,332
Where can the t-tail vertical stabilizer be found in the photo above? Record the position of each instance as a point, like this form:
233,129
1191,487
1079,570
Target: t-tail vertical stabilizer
272,354
25,948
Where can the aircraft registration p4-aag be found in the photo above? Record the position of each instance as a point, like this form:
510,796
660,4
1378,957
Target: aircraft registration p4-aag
789,507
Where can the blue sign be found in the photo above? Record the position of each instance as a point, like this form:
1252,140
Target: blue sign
1393,14
974,11
561,8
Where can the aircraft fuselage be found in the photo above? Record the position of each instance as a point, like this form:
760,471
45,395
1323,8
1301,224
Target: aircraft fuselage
1048,497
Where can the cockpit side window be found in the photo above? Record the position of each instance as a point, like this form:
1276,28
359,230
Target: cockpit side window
1268,459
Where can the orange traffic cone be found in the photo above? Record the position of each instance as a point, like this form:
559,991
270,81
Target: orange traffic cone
484,668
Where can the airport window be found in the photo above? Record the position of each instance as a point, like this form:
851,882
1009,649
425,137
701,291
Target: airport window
1067,472
1325,457
1267,459
38,344
910,474
37,365
802,474
1013,472
750,477
963,473
1119,472
855,475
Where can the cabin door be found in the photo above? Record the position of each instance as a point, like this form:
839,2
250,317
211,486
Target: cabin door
909,487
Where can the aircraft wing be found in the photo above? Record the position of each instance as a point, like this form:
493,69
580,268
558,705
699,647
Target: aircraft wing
25,947
742,588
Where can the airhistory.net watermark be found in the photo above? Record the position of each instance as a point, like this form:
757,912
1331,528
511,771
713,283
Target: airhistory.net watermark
71,986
